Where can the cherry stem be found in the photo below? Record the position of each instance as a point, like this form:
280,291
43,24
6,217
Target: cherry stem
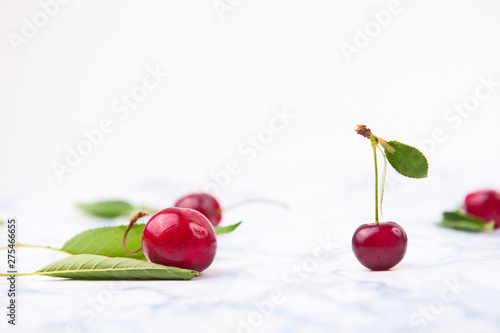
374,146
130,225
384,173
252,200
148,209
36,247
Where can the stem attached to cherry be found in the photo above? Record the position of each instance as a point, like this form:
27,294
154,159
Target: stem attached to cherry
147,209
384,173
374,146
130,225
375,140
253,200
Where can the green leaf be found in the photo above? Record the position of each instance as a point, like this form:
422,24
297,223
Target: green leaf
107,241
92,267
226,230
107,209
1,223
456,220
407,160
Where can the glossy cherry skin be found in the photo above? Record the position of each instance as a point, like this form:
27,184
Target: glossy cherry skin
484,204
180,237
204,203
379,247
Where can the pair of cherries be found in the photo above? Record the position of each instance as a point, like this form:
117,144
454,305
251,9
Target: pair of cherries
182,236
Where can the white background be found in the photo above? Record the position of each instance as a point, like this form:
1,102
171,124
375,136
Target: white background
225,78
227,72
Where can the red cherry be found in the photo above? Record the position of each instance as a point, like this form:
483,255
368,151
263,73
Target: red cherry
180,237
204,203
484,204
379,247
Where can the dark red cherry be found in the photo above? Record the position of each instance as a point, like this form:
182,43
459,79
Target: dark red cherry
180,237
379,247
204,203
484,204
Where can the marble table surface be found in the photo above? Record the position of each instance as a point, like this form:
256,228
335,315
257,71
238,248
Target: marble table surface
281,271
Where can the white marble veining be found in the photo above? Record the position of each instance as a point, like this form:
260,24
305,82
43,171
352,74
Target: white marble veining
282,271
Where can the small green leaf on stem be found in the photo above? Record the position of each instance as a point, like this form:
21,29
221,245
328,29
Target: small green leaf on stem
458,221
407,160
107,209
226,230
93,267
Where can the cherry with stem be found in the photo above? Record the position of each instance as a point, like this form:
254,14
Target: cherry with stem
382,245
179,237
